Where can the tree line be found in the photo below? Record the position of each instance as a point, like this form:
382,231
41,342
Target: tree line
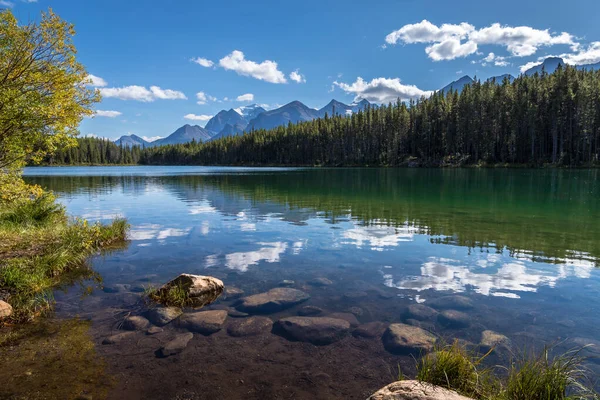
533,120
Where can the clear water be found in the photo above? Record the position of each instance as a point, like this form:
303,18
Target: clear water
523,244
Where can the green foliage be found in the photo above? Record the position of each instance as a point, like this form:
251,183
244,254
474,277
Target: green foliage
43,89
532,377
173,296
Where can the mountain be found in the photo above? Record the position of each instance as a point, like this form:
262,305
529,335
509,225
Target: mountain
590,67
185,134
230,130
458,85
549,65
499,79
339,108
131,140
250,112
218,122
293,112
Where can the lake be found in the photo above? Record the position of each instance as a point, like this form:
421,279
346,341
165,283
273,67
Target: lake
522,245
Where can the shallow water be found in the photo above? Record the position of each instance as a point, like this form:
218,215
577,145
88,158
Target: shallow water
522,244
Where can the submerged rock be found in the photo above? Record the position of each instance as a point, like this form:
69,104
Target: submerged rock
320,282
272,301
315,330
6,309
176,346
232,293
204,322
161,316
415,390
117,338
308,311
454,302
491,339
370,330
154,330
420,312
135,323
454,319
351,318
286,283
250,326
201,290
407,340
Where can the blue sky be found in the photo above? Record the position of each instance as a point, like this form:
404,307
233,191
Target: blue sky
143,51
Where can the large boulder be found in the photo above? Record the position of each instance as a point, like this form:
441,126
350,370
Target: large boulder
201,290
315,330
272,301
250,326
6,310
204,322
161,316
408,340
415,390
175,346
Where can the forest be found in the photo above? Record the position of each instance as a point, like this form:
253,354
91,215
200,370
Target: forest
544,119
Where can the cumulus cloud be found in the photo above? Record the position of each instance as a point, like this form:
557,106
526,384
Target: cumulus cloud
5,3
203,61
108,114
194,117
245,97
96,81
382,90
297,77
493,59
265,71
450,41
204,98
141,93
585,55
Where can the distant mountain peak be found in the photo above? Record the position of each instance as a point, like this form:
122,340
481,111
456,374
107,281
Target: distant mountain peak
458,84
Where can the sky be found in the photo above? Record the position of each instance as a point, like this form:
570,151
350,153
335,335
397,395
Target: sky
162,64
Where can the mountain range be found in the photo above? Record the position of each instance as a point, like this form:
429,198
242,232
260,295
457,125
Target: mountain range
254,117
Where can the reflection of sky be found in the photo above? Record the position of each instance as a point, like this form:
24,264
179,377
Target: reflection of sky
181,227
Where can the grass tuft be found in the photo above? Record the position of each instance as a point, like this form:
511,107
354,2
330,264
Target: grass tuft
173,296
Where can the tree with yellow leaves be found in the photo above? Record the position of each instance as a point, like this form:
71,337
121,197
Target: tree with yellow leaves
44,91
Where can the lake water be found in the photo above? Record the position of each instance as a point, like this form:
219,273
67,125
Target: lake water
523,245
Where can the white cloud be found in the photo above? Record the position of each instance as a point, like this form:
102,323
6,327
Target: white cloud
245,97
585,55
203,61
265,71
450,41
194,117
492,58
297,77
96,81
382,90
530,65
5,3
271,253
204,98
140,93
108,114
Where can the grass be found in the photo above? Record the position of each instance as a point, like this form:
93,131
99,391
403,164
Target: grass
42,248
529,377
174,296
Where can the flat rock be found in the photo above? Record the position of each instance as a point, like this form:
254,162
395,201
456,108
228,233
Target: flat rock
250,326
233,313
161,316
491,339
135,323
452,302
272,301
454,319
320,282
232,293
407,340
414,390
6,309
315,330
117,338
356,311
370,330
308,311
420,312
428,326
204,322
176,346
201,290
351,318
154,330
